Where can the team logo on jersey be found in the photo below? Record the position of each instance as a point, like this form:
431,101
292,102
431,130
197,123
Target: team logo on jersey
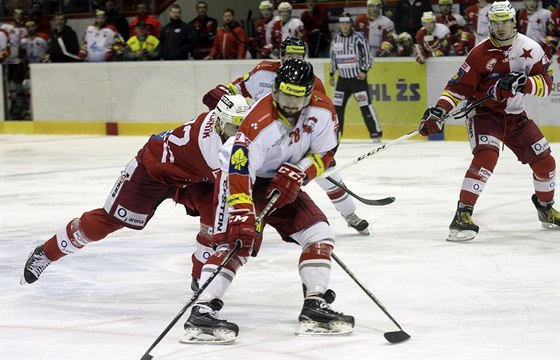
527,53
490,64
309,125
239,160
466,68
457,76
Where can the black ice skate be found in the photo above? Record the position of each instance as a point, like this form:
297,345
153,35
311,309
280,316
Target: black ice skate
548,216
202,327
36,263
462,228
354,221
317,317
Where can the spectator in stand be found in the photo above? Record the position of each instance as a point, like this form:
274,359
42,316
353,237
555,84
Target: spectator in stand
177,37
408,14
153,26
286,27
263,30
65,34
433,39
316,32
377,28
117,19
553,33
42,23
75,6
141,46
102,41
477,23
533,21
456,24
35,44
205,28
16,64
231,40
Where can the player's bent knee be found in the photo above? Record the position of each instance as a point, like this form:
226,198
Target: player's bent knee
320,232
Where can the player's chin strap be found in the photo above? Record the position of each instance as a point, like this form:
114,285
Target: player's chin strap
194,298
457,114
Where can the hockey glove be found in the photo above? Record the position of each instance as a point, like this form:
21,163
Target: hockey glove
431,122
82,54
508,86
242,227
212,97
288,181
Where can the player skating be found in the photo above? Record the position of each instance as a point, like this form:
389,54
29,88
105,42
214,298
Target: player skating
506,66
180,164
288,138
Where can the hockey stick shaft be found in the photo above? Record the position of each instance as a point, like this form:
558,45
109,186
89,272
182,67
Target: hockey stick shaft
215,273
455,114
393,337
362,286
373,202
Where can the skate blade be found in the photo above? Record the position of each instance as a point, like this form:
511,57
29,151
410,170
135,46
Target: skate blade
461,235
549,225
313,328
219,336
22,280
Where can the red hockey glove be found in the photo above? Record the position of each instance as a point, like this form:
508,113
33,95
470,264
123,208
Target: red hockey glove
242,227
431,122
82,54
288,181
508,86
109,55
212,97
459,47
266,51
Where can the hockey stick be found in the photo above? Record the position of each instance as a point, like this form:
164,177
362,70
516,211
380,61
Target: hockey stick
393,337
460,113
373,202
215,273
64,51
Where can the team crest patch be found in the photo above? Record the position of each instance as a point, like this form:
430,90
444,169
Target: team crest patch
239,160
490,64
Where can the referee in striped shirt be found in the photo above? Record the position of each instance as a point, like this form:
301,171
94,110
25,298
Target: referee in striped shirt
352,57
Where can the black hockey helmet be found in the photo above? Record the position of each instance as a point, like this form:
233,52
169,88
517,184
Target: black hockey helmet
293,45
295,77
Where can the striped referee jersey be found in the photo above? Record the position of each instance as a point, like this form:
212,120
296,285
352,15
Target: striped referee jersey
350,55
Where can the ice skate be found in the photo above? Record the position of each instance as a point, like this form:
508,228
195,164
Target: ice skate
317,317
36,263
548,216
376,137
202,327
462,228
354,221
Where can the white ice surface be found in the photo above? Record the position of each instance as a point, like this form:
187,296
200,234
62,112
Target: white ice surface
496,297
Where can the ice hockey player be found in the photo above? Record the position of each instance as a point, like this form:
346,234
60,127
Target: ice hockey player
258,83
180,164
288,138
507,66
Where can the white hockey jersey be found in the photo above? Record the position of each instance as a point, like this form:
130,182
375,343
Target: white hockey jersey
100,41
16,34
265,141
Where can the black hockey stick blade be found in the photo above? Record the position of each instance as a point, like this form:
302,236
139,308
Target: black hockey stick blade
395,337
147,357
373,202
